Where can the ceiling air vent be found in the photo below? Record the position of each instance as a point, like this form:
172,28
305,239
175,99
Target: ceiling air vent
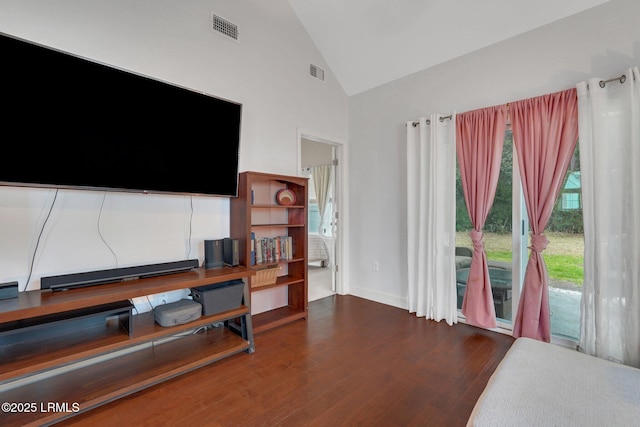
224,27
317,72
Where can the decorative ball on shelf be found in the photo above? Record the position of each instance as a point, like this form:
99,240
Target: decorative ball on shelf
286,197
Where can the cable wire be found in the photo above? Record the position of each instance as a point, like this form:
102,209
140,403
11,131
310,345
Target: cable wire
35,251
190,228
115,257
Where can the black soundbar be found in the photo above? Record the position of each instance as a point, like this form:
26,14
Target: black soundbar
101,277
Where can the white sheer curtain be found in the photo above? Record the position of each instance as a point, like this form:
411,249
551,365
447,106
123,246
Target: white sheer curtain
322,184
431,209
609,127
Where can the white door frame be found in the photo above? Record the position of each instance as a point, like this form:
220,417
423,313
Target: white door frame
341,186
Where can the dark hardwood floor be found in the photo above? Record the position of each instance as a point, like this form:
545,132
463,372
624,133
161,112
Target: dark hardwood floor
353,363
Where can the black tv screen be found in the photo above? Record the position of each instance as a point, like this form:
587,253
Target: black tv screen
68,122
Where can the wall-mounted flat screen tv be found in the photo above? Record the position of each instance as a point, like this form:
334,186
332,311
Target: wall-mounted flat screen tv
69,122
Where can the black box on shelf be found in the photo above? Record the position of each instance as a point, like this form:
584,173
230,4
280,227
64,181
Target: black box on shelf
219,297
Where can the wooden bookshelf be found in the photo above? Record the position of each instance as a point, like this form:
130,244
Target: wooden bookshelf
256,212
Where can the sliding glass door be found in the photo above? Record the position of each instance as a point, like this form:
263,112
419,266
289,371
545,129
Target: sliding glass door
506,238
504,244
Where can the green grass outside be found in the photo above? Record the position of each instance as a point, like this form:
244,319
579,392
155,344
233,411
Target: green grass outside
499,255
565,267
564,256
560,267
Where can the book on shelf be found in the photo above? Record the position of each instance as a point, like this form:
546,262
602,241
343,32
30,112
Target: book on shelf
253,248
269,250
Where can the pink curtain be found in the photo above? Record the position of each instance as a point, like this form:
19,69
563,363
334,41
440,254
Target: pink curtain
479,141
545,132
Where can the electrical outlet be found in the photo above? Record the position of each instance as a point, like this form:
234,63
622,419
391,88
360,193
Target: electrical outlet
163,298
375,266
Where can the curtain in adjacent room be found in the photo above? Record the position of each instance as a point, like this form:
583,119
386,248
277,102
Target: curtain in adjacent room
322,185
431,208
609,123
479,142
545,132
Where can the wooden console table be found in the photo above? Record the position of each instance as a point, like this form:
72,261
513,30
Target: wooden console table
43,334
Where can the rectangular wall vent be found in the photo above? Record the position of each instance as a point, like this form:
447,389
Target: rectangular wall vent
317,72
224,27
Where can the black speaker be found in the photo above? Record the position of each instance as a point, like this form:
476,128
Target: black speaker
231,252
8,290
213,250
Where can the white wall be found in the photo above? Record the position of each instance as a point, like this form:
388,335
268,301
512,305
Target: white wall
601,42
266,71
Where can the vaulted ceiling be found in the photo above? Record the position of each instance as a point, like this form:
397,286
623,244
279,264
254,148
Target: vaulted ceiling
368,43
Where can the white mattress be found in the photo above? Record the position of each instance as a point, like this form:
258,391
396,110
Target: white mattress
318,250
541,384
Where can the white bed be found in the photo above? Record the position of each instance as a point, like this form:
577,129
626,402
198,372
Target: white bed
318,250
541,384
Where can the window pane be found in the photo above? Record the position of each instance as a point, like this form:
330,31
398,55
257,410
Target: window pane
564,255
314,218
497,236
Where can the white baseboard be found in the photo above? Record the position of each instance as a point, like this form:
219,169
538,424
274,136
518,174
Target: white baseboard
380,297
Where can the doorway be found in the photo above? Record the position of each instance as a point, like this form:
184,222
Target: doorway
319,161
